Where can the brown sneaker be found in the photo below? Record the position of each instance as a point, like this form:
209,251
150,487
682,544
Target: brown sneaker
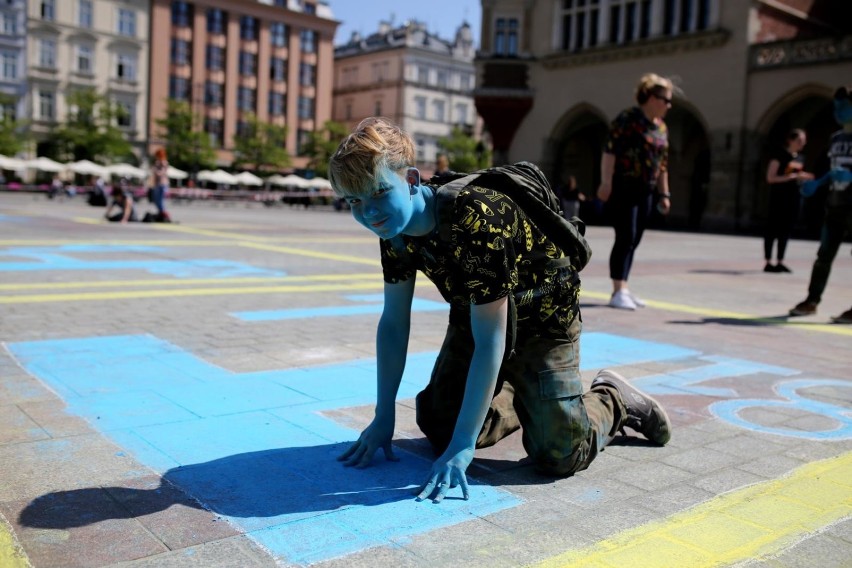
845,317
806,308
644,414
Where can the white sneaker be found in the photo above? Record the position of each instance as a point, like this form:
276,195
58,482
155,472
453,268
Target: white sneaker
636,300
622,300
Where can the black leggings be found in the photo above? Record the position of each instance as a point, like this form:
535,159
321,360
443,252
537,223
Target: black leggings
629,218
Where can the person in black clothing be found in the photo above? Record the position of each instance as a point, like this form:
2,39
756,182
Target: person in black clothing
785,173
122,199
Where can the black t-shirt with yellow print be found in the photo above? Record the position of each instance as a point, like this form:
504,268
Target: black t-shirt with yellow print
494,250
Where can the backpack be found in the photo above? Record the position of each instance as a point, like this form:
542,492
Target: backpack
525,184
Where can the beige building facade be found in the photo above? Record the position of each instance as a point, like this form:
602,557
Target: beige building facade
230,58
87,44
552,74
420,81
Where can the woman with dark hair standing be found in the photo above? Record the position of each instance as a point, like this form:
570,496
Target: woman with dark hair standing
784,175
634,169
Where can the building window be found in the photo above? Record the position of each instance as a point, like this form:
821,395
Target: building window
84,59
580,21
84,13
48,10
10,23
423,74
248,28
349,76
309,8
9,111
217,21
420,107
308,41
348,111
214,129
10,64
246,99
215,58
303,138
46,105
181,14
307,75
377,108
443,79
248,63
125,67
381,71
214,93
178,88
47,54
461,114
466,82
126,116
180,51
306,107
276,103
278,69
278,34
126,22
438,111
506,37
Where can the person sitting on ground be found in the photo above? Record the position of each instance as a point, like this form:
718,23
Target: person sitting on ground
122,199
496,264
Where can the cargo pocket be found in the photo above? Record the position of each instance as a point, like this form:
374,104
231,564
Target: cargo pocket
563,422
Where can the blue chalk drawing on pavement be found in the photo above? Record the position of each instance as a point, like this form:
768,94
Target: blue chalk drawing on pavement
730,410
59,258
367,304
256,448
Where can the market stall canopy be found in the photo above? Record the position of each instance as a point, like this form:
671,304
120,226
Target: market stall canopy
44,164
7,163
217,176
291,180
127,170
175,173
319,183
88,168
248,178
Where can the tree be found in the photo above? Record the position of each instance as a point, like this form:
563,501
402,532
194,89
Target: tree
321,144
91,131
13,136
187,145
261,144
464,152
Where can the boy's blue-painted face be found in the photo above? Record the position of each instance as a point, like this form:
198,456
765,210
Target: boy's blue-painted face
388,210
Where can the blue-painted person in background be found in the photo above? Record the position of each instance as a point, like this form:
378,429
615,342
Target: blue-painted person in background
837,224
496,263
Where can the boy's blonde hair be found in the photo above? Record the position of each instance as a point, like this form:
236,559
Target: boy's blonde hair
652,84
376,142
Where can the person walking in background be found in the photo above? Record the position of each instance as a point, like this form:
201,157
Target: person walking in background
633,172
570,197
442,165
160,172
838,207
785,173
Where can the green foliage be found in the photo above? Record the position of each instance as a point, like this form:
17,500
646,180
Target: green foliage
13,135
464,153
261,144
90,131
321,144
187,145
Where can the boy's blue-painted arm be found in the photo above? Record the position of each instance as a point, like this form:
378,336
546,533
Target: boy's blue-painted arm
488,324
391,350
841,175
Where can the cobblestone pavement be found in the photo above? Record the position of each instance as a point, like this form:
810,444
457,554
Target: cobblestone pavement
175,395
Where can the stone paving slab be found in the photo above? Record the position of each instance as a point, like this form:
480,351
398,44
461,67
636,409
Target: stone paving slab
150,419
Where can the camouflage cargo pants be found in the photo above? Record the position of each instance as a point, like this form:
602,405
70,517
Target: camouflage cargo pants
538,390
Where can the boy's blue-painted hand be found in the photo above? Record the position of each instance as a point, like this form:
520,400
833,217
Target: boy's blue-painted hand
379,434
447,473
841,175
808,188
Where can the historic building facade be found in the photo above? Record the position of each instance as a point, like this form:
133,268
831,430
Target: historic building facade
229,58
13,59
422,82
87,44
552,74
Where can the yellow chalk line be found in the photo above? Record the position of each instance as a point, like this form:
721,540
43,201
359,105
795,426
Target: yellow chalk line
11,555
173,293
186,282
753,522
836,329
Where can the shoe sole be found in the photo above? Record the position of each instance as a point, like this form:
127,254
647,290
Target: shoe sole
841,320
617,377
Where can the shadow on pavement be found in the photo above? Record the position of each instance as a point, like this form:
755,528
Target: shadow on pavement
755,321
256,484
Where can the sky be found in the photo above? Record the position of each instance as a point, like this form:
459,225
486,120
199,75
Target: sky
442,17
